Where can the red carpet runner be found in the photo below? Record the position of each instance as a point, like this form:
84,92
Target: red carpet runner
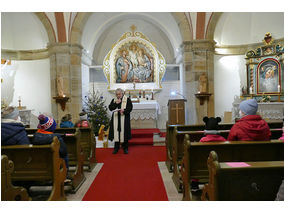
132,177
143,136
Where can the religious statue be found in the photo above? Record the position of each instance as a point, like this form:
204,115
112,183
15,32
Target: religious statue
59,81
101,133
203,83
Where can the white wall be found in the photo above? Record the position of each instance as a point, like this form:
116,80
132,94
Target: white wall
22,31
247,28
85,81
30,80
229,75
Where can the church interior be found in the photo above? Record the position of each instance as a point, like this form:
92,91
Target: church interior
178,70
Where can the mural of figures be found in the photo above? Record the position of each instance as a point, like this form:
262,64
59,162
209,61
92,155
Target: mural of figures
268,76
135,64
123,68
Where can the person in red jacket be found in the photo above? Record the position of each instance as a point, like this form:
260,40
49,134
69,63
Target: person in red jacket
211,130
250,127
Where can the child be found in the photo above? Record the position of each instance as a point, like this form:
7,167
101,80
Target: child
251,127
45,134
83,120
211,130
66,121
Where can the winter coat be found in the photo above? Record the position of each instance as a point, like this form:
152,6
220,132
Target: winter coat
42,137
13,133
83,123
282,137
66,124
212,137
250,128
127,126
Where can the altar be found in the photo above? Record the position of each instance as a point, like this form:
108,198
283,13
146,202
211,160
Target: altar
145,114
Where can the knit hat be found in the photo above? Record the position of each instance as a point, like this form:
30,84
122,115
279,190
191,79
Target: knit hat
66,117
46,123
83,116
211,123
249,107
9,113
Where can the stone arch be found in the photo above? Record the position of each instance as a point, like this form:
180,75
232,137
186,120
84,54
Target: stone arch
47,25
212,25
184,26
81,19
78,26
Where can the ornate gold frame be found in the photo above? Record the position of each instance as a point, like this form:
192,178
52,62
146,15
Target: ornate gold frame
159,62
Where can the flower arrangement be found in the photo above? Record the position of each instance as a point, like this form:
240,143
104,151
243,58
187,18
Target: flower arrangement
265,98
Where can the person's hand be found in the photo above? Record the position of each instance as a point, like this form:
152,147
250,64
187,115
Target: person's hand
118,101
121,111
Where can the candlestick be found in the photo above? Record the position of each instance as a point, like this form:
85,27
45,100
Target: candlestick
143,93
152,95
250,90
20,106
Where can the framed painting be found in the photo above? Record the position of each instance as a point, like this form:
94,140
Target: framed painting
134,63
269,76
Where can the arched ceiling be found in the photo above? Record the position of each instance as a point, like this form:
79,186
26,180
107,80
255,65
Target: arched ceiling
247,28
102,30
23,31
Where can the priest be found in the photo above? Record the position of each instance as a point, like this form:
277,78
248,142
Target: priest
120,129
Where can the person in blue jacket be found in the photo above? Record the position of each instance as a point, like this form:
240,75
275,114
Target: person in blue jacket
66,121
12,130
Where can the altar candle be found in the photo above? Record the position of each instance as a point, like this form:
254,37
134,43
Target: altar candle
278,88
19,97
250,90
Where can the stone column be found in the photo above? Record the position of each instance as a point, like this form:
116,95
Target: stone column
198,59
65,60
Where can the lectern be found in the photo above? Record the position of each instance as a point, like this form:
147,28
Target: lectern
176,112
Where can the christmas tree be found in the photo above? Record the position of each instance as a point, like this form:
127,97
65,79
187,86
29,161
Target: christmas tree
94,105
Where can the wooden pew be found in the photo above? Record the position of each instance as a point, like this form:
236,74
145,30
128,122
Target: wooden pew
259,181
194,162
39,163
8,190
170,138
200,127
87,141
195,136
76,158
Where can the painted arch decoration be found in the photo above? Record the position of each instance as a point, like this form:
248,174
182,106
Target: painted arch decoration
134,63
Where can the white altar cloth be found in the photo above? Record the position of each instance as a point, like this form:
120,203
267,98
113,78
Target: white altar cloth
145,110
268,110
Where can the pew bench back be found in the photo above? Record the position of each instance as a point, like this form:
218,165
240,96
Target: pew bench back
255,181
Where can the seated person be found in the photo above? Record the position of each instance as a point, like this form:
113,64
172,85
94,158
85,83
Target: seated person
66,121
282,137
12,130
250,127
83,122
211,130
45,134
